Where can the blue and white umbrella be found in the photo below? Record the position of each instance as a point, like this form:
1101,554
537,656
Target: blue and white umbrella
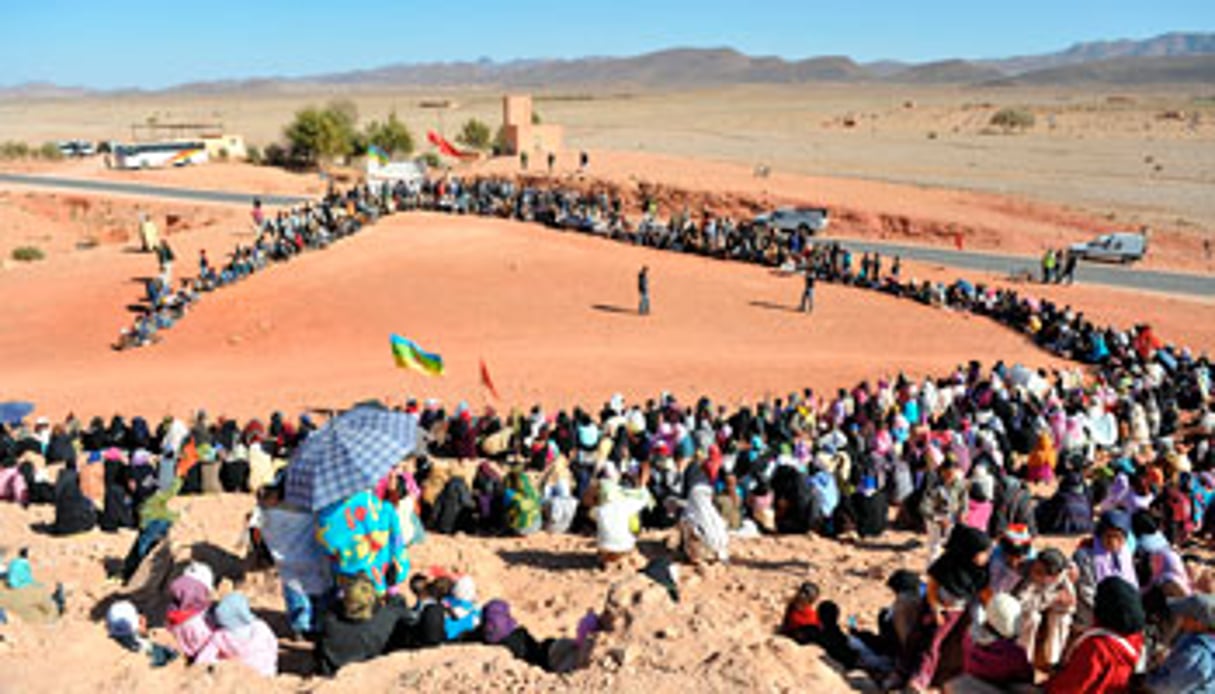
349,454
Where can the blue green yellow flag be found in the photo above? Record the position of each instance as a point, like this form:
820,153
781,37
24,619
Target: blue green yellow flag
378,154
408,355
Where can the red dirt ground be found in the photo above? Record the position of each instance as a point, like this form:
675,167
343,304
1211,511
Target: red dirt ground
552,314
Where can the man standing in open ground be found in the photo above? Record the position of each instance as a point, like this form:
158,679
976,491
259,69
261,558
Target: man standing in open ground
643,288
165,256
1069,266
807,305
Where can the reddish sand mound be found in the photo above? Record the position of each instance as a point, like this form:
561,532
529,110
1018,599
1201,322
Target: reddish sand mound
552,314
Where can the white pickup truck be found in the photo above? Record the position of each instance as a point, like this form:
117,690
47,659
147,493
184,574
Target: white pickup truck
1116,247
808,220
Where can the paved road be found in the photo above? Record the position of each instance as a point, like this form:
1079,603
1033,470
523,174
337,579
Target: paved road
193,195
1086,273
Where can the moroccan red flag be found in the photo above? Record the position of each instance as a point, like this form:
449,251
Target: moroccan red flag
488,382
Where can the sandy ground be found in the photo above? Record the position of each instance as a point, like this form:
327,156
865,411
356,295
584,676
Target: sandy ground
62,224
552,315
1128,155
718,638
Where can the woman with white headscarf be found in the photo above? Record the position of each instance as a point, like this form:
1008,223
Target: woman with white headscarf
703,531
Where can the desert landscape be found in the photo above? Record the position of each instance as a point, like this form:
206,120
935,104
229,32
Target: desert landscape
911,160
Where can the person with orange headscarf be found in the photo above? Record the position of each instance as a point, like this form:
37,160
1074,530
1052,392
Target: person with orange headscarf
1042,459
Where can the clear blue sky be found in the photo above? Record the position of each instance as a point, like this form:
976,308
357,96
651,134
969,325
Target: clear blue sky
102,43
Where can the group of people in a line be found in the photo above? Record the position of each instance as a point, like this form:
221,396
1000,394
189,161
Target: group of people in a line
279,239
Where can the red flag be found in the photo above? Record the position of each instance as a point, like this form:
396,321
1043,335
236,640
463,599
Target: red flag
957,239
488,382
448,148
189,458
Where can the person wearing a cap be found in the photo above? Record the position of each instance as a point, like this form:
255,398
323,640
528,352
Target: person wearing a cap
1190,665
1048,601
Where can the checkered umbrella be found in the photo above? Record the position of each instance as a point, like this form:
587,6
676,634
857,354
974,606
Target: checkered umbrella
350,454
14,412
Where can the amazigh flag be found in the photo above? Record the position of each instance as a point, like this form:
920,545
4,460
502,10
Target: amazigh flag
409,355
488,382
378,154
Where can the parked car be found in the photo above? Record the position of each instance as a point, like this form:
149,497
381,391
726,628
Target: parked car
1117,247
808,220
76,148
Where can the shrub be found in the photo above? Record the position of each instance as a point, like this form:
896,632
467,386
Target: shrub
392,136
223,154
28,254
536,120
475,134
275,155
431,160
12,149
1010,118
253,155
50,151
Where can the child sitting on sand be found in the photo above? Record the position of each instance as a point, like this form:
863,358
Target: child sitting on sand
129,628
801,614
463,612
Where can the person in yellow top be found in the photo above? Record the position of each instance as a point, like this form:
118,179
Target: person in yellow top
149,235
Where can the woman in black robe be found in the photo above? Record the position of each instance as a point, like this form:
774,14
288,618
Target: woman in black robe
117,512
60,448
797,511
94,438
74,513
139,436
116,435
871,508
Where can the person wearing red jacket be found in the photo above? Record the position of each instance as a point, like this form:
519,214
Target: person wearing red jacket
1103,658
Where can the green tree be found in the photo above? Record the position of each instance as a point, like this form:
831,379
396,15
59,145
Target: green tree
475,134
319,134
392,136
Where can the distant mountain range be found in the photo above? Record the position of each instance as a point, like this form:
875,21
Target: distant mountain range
1175,58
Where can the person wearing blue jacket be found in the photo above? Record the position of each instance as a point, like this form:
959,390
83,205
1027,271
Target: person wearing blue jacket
1190,665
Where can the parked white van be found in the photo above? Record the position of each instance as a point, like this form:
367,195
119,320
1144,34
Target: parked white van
1117,247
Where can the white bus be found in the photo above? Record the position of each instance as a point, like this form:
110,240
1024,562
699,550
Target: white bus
156,155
